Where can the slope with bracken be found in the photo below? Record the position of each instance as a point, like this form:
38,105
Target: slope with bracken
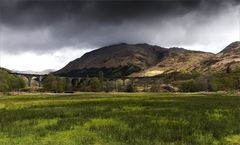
229,57
177,60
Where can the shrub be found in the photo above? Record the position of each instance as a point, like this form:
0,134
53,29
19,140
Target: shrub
95,85
130,88
9,82
199,84
54,84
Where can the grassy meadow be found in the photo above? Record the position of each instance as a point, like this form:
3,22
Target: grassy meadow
120,119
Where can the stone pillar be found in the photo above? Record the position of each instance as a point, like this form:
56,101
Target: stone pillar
40,81
79,80
70,81
147,84
132,82
29,81
107,85
115,81
74,82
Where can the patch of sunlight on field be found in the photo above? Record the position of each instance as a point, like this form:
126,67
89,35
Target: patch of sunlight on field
217,114
204,138
41,103
76,136
42,123
30,140
132,108
168,121
170,109
2,105
232,139
99,124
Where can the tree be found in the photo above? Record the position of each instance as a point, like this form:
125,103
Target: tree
101,79
130,88
187,86
9,82
3,82
201,84
95,85
54,84
155,88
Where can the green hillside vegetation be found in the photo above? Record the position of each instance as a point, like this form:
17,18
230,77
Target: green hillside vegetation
120,119
211,82
10,82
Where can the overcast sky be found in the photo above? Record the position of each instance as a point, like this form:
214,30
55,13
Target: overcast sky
47,34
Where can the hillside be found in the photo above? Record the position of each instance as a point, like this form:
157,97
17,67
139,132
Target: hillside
4,69
140,56
229,57
177,59
134,60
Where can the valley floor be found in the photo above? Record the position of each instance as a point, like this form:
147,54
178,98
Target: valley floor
120,119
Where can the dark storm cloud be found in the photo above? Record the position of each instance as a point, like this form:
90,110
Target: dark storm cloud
45,12
40,25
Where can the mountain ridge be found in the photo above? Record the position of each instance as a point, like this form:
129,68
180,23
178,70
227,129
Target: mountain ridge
142,59
151,60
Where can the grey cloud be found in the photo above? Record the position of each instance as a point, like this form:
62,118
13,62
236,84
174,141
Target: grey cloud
45,26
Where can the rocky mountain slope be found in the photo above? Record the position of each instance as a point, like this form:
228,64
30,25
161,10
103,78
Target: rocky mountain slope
176,59
228,57
147,60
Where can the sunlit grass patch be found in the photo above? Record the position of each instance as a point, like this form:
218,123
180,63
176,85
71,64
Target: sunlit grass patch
217,114
232,139
133,108
204,139
43,123
99,124
2,105
109,129
172,121
76,136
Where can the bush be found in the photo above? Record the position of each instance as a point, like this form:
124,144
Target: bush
9,82
95,85
54,84
199,84
212,82
130,88
226,82
187,86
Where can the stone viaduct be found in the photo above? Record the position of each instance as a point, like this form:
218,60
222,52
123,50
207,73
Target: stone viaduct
145,81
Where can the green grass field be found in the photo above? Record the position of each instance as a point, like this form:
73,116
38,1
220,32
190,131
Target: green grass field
119,119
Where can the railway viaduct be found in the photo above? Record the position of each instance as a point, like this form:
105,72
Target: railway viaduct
75,80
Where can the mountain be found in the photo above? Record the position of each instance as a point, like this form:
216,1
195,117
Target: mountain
229,57
47,71
175,60
134,60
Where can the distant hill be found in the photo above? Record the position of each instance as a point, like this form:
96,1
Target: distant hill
229,57
134,60
35,72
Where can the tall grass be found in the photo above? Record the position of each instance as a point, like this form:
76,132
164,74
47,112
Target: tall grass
120,119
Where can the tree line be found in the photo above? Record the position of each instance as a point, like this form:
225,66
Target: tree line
178,81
